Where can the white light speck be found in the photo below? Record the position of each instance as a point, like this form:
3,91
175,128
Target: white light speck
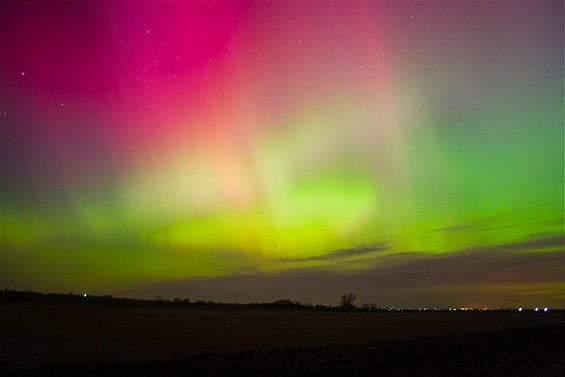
537,309
284,196
84,295
477,102
62,104
520,309
546,309
23,73
361,66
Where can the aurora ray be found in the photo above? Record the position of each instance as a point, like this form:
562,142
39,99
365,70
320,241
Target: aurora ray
157,141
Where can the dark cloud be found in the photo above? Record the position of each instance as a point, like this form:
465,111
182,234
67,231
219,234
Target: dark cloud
539,243
363,249
504,220
529,272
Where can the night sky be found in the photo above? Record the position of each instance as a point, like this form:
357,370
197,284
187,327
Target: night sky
412,153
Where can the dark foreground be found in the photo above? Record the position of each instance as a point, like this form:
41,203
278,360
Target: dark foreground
43,339
526,352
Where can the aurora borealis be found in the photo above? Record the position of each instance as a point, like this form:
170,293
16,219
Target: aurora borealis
235,151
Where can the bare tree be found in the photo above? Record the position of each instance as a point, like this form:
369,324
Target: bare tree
347,301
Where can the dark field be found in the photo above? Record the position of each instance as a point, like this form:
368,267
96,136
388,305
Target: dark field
152,340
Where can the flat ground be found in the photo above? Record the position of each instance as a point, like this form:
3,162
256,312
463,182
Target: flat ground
35,334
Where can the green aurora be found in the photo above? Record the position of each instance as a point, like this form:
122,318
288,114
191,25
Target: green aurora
367,137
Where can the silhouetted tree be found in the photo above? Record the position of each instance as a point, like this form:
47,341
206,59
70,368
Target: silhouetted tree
347,301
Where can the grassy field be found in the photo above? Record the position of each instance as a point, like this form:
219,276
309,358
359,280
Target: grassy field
35,334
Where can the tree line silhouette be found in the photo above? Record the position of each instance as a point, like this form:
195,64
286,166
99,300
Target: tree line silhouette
346,303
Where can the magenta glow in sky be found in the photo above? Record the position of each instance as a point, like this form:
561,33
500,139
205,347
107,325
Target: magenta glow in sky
275,148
